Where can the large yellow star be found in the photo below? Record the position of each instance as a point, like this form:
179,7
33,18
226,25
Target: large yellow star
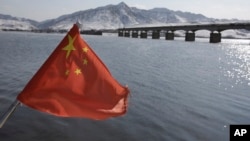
70,46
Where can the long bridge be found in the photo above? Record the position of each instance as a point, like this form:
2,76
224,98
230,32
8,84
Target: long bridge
215,31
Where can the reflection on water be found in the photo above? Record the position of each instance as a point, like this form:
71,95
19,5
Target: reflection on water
238,60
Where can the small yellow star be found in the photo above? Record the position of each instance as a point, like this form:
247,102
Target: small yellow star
78,71
70,47
67,72
85,49
85,61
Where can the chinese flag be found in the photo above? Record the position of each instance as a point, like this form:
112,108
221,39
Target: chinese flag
74,82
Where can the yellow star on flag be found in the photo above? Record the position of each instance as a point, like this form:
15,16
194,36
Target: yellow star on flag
85,49
70,47
85,61
67,72
78,71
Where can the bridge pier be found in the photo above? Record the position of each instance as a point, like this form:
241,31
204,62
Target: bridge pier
127,34
190,36
215,37
134,34
120,33
156,34
169,35
144,34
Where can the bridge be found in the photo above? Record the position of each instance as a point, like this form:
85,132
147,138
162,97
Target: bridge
215,31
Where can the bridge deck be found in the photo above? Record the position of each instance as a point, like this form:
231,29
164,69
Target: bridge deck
193,27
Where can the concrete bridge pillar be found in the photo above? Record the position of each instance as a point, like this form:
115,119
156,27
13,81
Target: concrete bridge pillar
156,34
190,36
127,34
120,33
169,35
144,34
215,37
134,34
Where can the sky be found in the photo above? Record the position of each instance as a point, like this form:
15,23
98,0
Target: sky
41,10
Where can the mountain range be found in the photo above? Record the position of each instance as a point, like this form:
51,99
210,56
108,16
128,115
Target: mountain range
119,16
109,17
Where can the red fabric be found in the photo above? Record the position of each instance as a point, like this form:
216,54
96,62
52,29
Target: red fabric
74,82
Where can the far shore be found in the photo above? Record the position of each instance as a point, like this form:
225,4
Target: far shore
100,32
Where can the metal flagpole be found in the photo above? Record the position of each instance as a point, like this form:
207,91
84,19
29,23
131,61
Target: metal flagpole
8,113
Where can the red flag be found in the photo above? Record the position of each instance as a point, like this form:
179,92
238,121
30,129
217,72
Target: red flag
74,82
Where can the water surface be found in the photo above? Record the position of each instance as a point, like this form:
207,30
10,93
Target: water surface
180,91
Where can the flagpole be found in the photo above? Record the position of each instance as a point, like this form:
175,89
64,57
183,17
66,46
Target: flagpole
8,113
79,24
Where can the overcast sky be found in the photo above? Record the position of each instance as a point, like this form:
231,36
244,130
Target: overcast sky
46,9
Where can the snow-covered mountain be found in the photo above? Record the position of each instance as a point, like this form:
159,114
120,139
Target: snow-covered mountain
13,23
118,16
121,15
